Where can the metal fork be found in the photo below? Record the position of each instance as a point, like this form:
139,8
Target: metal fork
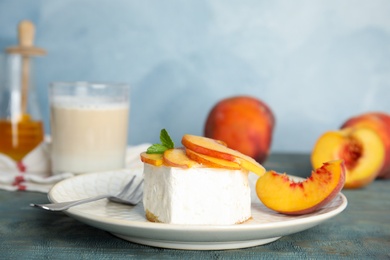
127,196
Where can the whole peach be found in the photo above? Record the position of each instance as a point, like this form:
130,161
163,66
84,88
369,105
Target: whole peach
380,123
244,123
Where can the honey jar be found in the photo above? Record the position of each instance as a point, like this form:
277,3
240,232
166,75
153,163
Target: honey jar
21,125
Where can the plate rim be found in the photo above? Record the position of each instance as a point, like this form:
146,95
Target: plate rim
254,228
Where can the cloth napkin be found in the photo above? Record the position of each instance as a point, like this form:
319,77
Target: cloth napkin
33,173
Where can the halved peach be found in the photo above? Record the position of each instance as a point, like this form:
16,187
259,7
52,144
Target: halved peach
212,161
380,123
278,192
213,148
361,148
153,159
177,158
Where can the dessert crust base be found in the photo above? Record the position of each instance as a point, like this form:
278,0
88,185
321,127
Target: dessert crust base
153,218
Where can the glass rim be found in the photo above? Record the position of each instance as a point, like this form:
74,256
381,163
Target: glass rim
88,84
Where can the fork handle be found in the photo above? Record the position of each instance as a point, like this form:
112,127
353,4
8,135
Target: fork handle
66,205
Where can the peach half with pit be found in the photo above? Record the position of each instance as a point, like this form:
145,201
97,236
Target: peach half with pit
361,149
280,193
216,149
380,123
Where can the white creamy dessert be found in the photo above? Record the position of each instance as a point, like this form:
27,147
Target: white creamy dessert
196,196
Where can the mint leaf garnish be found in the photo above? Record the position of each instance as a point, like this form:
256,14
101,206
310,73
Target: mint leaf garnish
166,139
156,148
166,143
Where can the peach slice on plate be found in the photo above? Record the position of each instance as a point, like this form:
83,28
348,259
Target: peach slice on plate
278,192
177,158
361,148
213,148
155,159
212,161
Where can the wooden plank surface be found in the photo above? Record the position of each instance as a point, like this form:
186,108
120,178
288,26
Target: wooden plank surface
362,231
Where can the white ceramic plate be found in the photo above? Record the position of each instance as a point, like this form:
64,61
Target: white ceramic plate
129,222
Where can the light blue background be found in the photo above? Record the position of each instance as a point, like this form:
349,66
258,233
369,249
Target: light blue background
315,63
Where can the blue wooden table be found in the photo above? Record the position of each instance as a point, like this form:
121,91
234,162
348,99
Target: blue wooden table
361,231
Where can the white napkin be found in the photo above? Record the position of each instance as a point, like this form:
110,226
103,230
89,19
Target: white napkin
33,173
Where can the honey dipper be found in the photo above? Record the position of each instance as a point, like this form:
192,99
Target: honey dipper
26,49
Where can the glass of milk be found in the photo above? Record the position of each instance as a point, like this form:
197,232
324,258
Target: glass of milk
89,123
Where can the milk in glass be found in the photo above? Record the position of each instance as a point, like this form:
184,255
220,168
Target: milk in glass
88,134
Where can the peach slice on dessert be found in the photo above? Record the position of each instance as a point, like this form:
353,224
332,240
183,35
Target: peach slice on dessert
278,192
177,158
212,161
361,149
153,159
213,148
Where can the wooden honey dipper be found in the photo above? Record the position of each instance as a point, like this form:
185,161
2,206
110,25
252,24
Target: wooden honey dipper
26,49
